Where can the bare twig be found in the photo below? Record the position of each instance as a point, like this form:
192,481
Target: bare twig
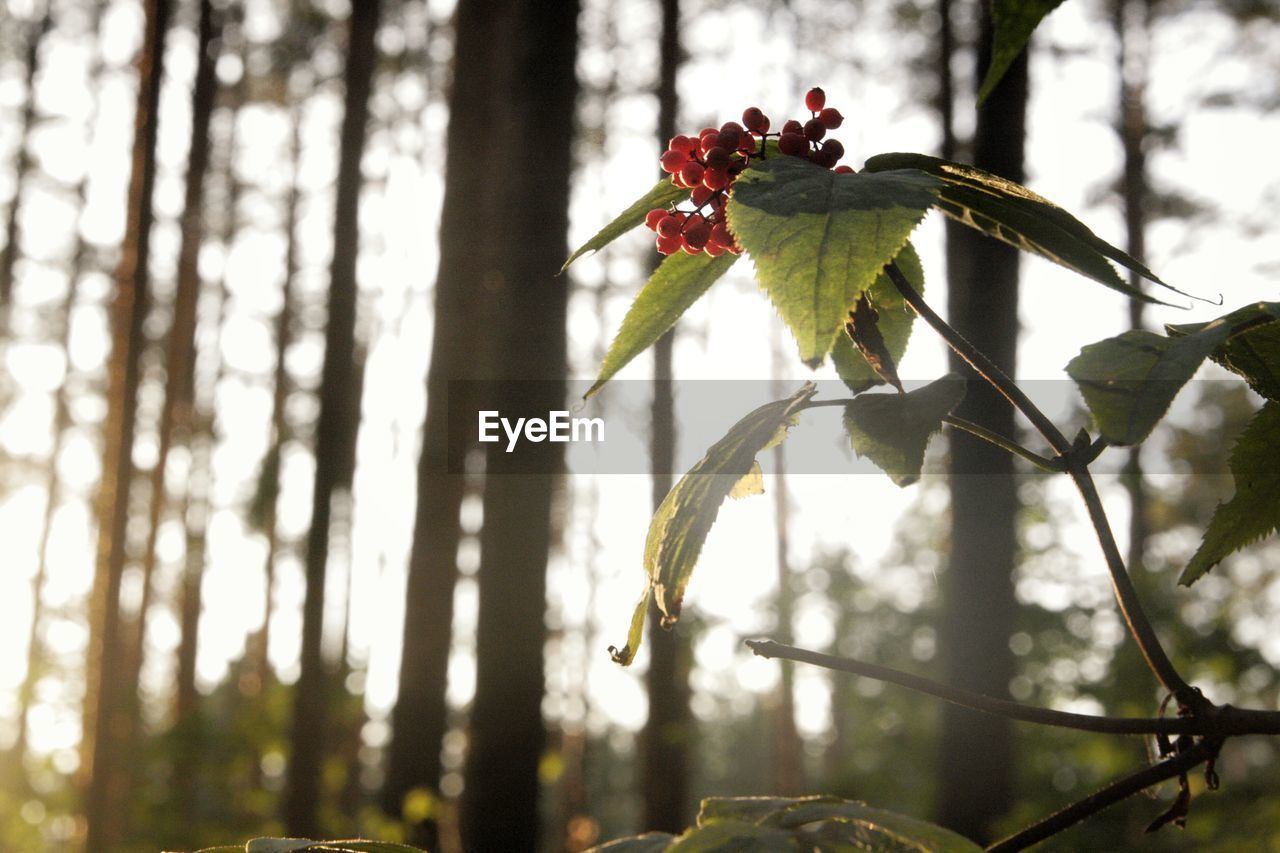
1118,790
979,701
1126,596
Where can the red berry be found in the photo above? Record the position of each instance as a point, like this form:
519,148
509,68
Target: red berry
830,118
755,120
688,250
705,131
691,173
815,99
730,135
653,217
792,143
715,250
834,149
720,235
844,170
682,143
672,161
717,158
701,195
669,245
669,225
697,235
747,145
715,179
814,130
792,126
708,142
823,158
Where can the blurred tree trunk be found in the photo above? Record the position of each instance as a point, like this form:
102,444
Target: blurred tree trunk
22,163
198,411
106,701
175,411
461,348
265,511
1131,67
335,432
787,760
500,810
61,422
668,732
976,762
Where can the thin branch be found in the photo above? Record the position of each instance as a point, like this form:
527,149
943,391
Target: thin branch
1115,792
1126,596
1053,466
975,358
979,701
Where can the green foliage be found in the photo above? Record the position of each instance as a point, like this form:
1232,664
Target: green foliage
895,323
819,239
675,285
685,516
305,845
1253,350
1254,511
893,430
1014,21
663,193
801,824
1130,380
1014,214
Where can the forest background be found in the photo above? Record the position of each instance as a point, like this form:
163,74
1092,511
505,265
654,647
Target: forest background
237,598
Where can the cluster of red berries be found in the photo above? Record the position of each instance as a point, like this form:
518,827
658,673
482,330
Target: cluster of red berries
708,164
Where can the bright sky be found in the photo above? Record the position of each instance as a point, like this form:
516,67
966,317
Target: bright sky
738,58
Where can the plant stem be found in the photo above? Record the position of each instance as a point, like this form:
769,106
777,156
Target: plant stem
1053,466
979,701
1126,596
1111,794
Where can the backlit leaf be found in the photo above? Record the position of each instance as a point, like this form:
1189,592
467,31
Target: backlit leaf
895,323
1014,21
819,239
1254,510
1130,380
677,283
1253,350
686,515
893,430
664,193
1014,214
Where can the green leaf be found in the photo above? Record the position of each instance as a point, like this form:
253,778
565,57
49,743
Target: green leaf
1014,21
686,515
829,824
650,842
879,829
735,837
896,321
278,845
1014,214
1254,510
664,193
304,845
1253,350
635,633
1129,381
677,283
893,430
819,239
